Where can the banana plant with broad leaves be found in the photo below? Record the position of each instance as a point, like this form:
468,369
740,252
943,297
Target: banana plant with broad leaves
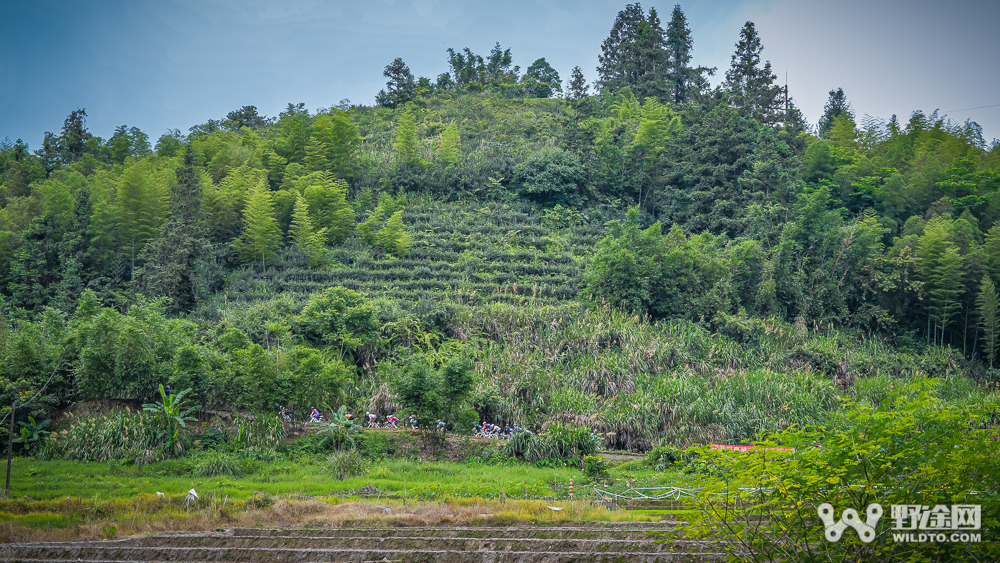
32,433
174,408
340,428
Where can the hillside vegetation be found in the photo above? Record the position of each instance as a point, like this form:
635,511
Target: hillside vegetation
662,261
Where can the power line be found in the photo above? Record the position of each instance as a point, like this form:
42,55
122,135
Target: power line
965,109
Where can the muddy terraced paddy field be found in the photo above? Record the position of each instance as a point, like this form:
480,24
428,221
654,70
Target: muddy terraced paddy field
623,542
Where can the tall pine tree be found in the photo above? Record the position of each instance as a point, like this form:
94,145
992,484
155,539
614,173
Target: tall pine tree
653,60
751,86
619,58
400,88
681,77
172,261
577,86
836,106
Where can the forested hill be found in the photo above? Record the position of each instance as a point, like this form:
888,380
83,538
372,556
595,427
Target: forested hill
659,259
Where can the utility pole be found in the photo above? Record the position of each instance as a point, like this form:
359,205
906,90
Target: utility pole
786,94
10,449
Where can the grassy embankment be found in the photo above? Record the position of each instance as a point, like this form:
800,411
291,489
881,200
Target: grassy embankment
66,500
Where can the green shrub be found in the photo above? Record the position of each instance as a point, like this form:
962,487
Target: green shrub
173,468
559,442
595,467
663,456
346,463
310,444
258,436
375,445
214,463
463,421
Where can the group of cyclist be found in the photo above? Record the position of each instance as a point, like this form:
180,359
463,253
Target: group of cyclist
485,430
372,421
495,431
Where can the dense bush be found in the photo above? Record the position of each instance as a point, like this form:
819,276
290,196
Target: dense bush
558,442
257,436
119,434
214,463
346,463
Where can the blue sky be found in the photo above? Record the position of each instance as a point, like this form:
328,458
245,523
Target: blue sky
173,64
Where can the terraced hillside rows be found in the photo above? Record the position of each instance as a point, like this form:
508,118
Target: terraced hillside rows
497,253
623,542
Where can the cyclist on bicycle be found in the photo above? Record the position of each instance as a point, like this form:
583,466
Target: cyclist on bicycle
390,421
441,426
315,416
372,420
284,415
413,422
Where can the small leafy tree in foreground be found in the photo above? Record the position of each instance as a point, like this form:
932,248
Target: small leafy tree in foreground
918,451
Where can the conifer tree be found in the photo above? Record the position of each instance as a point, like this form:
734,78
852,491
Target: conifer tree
679,45
541,80
35,268
577,87
172,260
619,64
400,88
261,235
653,60
635,55
989,317
836,106
751,86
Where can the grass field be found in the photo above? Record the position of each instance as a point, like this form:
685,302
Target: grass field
63,500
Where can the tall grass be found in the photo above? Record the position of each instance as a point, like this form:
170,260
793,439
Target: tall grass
120,434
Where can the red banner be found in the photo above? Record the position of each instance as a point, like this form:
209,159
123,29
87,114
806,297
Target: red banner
747,448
